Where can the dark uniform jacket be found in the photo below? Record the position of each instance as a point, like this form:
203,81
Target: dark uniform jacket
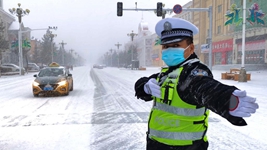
197,87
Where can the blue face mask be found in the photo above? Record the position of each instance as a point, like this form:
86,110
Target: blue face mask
173,56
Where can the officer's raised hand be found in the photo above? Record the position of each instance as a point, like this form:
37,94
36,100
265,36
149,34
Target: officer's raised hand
152,88
242,105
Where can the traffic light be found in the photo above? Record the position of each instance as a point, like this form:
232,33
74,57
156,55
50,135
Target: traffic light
159,9
119,8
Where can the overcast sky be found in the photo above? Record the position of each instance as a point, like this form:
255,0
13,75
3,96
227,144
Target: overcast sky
90,27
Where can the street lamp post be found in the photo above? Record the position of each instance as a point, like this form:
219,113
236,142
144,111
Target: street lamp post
111,55
71,56
132,38
106,55
51,36
118,46
62,45
74,58
19,12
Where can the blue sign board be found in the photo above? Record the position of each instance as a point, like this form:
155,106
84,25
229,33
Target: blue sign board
177,9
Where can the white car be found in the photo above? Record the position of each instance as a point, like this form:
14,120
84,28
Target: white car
12,67
33,67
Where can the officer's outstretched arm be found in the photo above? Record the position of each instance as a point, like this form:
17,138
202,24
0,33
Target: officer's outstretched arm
215,96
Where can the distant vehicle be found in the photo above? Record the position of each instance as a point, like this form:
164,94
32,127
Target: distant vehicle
129,66
52,80
33,67
41,66
98,66
9,67
69,67
95,66
104,65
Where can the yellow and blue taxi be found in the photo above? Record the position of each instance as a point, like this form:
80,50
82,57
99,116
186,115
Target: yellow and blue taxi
52,80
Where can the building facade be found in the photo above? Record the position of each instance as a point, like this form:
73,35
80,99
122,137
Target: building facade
255,35
227,31
156,51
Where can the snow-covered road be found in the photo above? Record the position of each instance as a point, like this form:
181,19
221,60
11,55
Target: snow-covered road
100,115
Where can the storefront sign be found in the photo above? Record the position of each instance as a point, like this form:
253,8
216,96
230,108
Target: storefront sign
205,48
250,46
221,46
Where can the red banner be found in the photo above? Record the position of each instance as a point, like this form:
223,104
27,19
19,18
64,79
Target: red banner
222,46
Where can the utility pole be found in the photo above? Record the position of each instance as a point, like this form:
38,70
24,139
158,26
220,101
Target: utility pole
51,36
71,56
132,35
242,74
63,51
118,46
111,55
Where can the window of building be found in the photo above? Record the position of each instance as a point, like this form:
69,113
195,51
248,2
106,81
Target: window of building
218,58
229,57
219,29
219,8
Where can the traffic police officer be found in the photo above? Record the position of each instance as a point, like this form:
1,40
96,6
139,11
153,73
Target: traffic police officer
185,91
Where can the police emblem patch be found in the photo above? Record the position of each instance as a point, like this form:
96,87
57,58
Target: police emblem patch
199,72
167,26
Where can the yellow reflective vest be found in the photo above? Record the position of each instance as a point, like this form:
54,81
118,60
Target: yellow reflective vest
173,121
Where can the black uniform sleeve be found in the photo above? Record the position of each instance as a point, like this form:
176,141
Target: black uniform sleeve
203,90
139,88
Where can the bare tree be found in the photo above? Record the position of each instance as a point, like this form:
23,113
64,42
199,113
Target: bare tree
4,44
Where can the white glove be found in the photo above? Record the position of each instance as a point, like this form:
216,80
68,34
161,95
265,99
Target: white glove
152,88
242,105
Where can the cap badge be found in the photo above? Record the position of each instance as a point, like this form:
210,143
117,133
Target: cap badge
167,26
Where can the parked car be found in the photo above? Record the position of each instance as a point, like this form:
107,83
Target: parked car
52,80
5,69
9,67
33,67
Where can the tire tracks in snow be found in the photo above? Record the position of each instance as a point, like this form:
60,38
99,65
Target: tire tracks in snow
119,94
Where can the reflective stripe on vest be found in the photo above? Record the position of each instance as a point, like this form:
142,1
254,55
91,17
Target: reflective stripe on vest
177,135
179,111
